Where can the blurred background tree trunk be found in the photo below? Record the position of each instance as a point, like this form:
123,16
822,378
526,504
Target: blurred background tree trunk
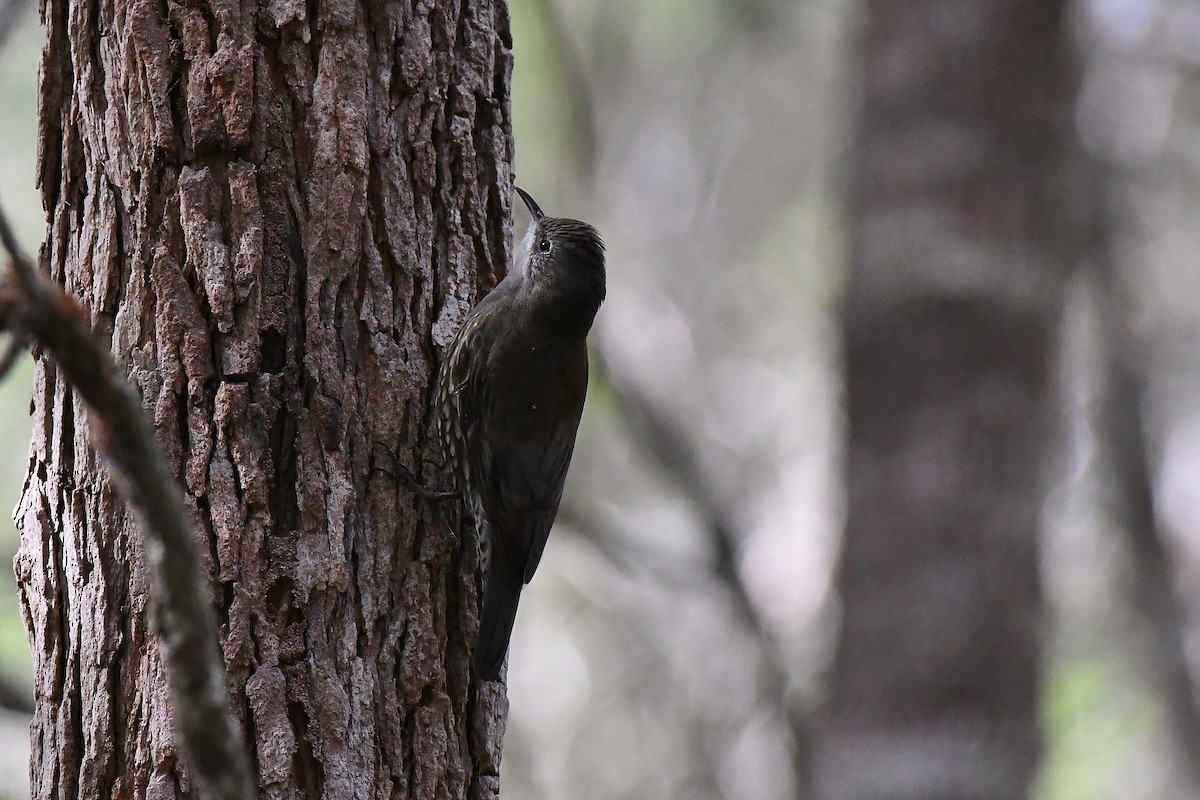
965,226
266,213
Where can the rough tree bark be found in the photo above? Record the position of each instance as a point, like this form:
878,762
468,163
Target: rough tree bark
964,230
275,214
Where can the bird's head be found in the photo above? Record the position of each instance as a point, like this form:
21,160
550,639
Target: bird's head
564,259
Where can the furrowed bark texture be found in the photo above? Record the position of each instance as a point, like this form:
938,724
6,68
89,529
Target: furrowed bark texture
964,230
275,214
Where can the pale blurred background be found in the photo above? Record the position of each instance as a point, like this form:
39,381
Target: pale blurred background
677,637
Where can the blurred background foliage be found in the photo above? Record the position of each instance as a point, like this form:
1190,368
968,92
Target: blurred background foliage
678,635
20,200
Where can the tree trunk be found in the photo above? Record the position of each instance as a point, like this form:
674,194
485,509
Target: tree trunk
276,215
964,230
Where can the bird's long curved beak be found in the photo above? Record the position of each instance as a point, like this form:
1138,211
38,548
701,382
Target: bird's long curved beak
530,203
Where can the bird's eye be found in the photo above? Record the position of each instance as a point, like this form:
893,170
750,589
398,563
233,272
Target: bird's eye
544,246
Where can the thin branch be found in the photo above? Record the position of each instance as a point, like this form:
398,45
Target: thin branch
1121,434
30,305
661,440
656,435
622,551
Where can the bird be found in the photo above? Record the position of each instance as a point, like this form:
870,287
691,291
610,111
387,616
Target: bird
511,391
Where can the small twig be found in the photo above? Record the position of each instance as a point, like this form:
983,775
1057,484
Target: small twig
30,305
660,439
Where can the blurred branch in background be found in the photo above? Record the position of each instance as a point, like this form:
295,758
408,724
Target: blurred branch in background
11,12
577,94
667,444
1121,431
672,451
14,697
624,552
1138,116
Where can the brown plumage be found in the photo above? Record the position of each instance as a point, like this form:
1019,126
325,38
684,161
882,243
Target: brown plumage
511,392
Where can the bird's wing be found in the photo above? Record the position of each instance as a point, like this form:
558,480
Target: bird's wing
461,387
522,490
517,477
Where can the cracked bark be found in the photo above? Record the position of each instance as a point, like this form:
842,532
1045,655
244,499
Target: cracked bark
275,215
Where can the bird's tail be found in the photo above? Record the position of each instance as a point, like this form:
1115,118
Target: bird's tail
500,598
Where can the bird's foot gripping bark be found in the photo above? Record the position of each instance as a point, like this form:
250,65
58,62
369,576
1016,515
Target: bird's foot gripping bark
407,480
404,477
